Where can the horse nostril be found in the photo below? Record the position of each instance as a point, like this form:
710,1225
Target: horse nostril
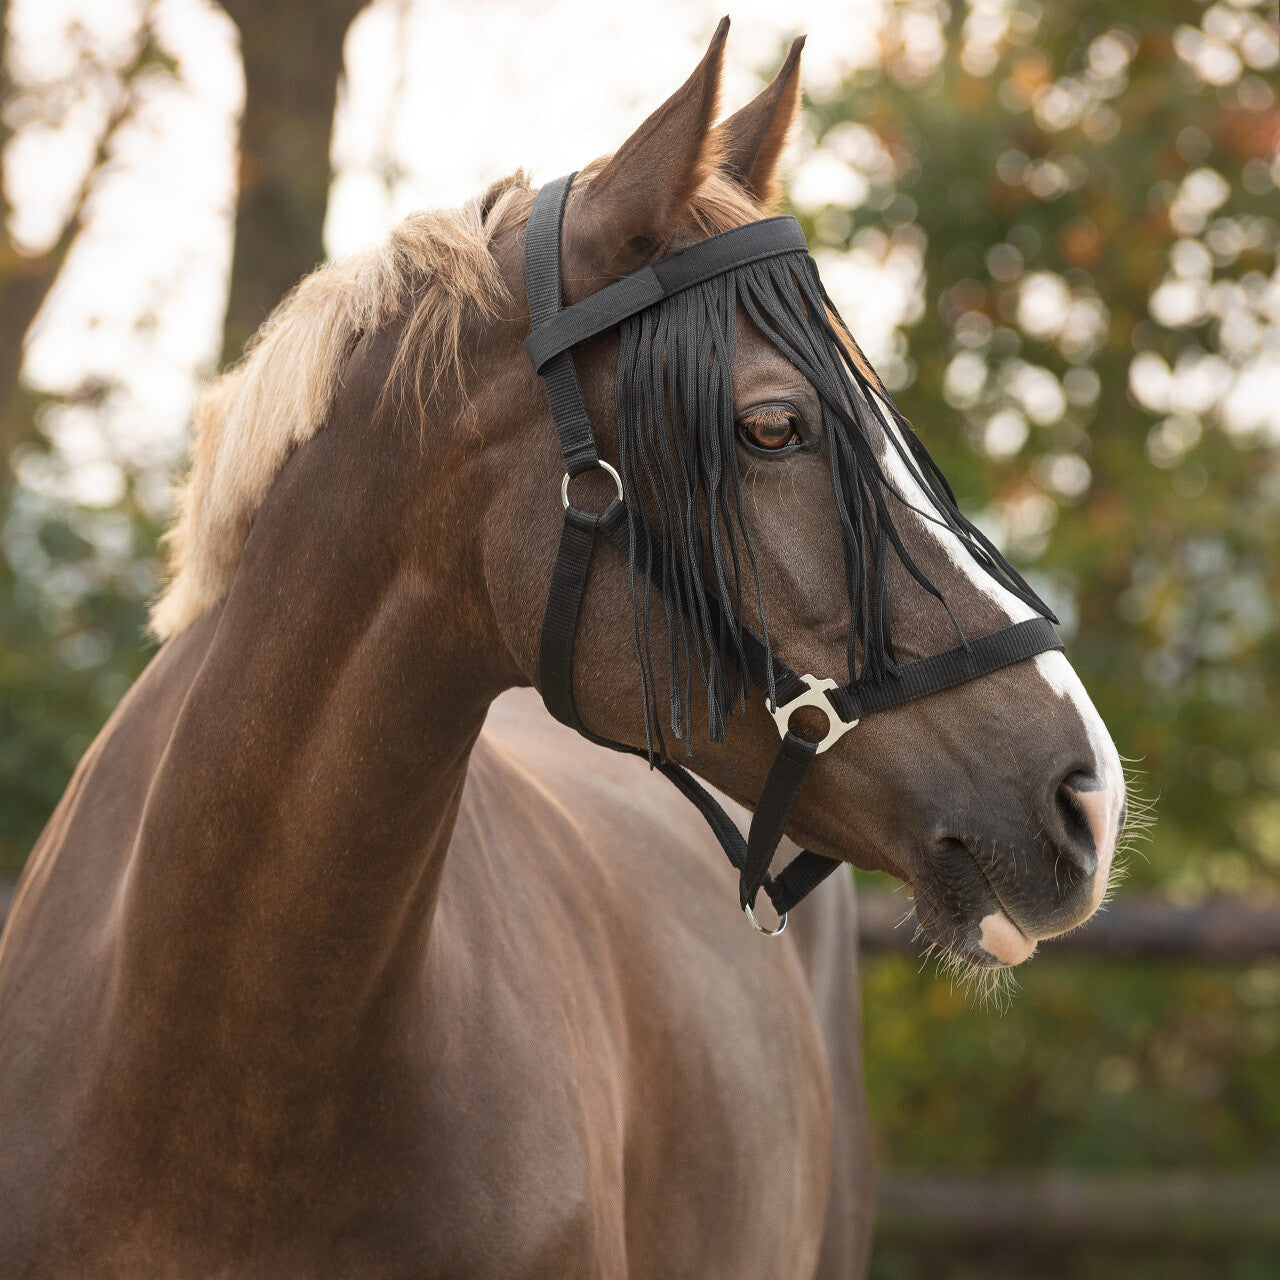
1078,843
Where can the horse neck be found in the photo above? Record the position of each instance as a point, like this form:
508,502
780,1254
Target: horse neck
280,893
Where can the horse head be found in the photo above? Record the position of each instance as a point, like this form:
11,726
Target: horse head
999,799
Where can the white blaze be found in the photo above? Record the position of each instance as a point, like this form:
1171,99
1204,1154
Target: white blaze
1103,808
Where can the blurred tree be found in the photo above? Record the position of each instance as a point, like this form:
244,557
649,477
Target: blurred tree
1079,203
27,271
292,52
75,581
1077,207
72,581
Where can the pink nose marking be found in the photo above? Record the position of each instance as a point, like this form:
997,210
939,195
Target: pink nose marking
1098,808
1000,938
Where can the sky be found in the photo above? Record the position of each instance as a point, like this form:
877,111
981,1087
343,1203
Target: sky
441,97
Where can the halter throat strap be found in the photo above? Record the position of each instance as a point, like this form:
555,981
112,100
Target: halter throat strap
556,332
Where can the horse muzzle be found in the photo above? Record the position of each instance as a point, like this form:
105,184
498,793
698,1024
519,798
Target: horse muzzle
988,896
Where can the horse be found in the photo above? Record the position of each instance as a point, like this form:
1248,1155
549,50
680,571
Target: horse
311,974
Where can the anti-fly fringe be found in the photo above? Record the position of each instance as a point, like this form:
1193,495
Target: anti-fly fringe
680,470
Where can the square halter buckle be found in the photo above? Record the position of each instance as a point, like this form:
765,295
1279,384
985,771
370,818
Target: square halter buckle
815,695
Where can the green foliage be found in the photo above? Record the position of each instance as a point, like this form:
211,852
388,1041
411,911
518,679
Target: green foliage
1096,229
1095,1065
73,587
1089,193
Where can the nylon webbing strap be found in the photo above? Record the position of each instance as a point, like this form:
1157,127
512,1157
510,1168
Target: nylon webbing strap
946,670
800,877
564,606
773,811
542,285
609,307
572,569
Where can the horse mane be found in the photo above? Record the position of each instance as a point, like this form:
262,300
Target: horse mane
432,268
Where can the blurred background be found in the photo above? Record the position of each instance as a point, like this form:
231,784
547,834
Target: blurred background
1053,226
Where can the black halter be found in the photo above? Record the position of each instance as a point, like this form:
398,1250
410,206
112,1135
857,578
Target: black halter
555,332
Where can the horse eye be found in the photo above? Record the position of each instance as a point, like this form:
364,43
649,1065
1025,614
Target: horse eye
770,429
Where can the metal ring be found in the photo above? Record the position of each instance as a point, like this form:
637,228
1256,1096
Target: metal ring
604,466
768,933
814,696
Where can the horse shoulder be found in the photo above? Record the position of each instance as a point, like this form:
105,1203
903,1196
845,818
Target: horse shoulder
608,1024
58,942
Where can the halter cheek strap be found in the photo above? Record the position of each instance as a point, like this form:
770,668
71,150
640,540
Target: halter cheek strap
556,331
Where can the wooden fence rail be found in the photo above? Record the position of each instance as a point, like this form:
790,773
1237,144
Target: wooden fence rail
1038,1209
1136,926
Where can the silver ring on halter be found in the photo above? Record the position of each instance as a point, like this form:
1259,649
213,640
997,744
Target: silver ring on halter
814,696
604,466
768,933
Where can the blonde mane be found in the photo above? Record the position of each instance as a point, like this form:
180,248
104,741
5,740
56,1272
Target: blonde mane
432,268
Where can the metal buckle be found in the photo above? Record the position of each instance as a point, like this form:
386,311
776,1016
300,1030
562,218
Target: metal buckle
815,696
768,933
604,466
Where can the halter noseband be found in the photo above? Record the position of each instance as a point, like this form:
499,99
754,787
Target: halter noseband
556,331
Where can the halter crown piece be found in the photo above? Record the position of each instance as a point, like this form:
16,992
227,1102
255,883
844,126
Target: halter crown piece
678,461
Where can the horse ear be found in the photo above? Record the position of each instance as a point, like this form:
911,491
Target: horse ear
750,141
634,204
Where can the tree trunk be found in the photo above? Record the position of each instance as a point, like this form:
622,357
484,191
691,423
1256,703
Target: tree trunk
292,52
26,278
